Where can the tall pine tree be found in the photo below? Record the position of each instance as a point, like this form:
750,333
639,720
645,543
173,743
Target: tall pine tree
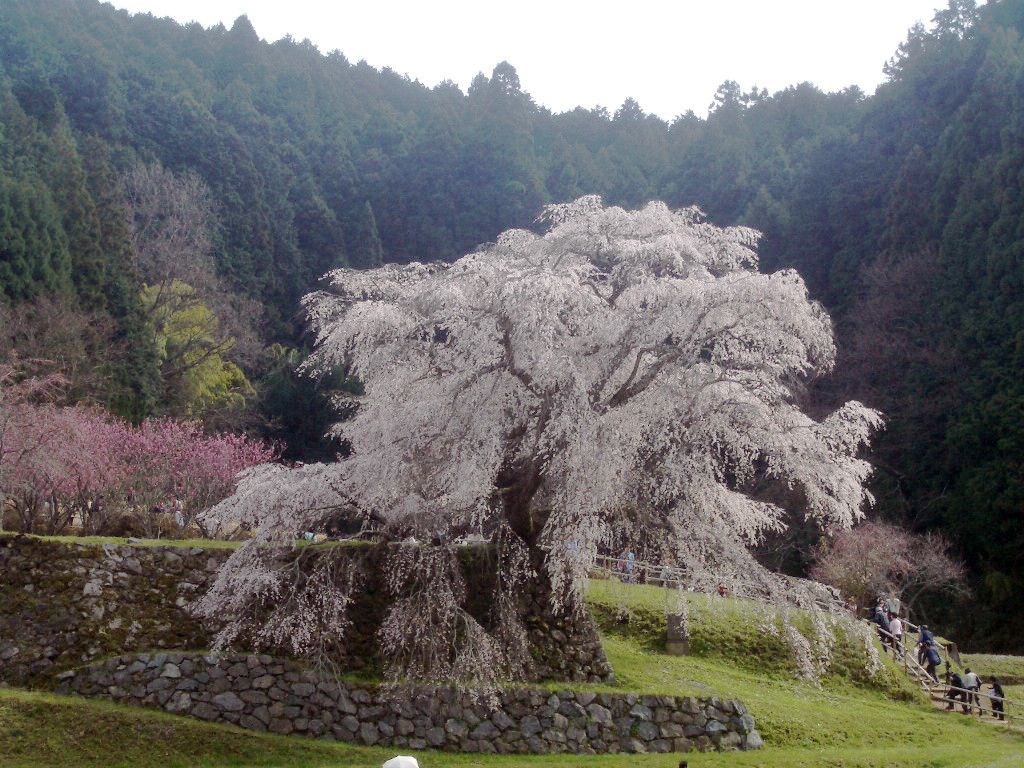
365,250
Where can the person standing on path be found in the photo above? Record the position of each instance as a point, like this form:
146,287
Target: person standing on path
997,697
932,659
880,617
924,639
973,684
896,630
627,565
955,692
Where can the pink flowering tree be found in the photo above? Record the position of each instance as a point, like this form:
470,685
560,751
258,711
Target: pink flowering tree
34,454
30,434
177,469
89,468
65,466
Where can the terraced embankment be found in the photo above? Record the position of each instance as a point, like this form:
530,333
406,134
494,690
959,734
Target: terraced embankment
842,721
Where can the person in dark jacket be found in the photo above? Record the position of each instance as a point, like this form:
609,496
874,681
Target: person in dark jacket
996,697
881,618
932,659
955,692
924,639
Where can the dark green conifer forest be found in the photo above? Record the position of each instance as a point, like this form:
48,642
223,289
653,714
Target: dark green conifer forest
903,210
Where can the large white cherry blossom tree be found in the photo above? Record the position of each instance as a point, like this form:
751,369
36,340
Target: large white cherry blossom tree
550,391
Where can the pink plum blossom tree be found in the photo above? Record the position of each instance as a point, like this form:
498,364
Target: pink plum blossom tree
61,465
29,432
545,389
90,471
174,467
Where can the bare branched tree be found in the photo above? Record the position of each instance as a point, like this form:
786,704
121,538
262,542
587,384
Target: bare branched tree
55,337
174,234
175,231
876,559
173,226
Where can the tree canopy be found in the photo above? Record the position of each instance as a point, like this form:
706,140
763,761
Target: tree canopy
545,389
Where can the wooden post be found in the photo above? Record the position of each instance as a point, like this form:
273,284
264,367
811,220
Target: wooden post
954,653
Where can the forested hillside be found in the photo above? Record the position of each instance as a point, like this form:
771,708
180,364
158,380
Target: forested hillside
904,210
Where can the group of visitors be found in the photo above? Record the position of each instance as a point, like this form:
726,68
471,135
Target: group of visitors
631,570
966,689
890,629
626,566
890,626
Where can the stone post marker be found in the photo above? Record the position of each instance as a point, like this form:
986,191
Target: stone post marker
677,643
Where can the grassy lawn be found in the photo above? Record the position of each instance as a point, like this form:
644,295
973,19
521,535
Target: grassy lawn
732,633
45,731
1009,669
733,658
99,540
180,543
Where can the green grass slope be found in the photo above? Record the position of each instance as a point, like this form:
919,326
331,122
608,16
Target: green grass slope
740,634
46,731
733,657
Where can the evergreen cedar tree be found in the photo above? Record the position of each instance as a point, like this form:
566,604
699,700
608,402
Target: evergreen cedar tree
902,206
548,390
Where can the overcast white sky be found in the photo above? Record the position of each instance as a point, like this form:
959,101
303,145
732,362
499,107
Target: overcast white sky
670,56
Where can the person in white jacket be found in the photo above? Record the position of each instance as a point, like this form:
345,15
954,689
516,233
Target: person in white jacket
973,684
896,630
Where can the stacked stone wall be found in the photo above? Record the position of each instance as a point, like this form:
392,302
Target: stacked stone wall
262,693
63,604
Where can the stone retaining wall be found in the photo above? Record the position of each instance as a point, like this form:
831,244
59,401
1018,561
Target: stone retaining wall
65,604
266,694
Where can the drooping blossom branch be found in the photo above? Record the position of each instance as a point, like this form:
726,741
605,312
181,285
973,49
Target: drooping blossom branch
623,365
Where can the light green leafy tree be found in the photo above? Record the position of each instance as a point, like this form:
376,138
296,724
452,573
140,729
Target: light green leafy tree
197,376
